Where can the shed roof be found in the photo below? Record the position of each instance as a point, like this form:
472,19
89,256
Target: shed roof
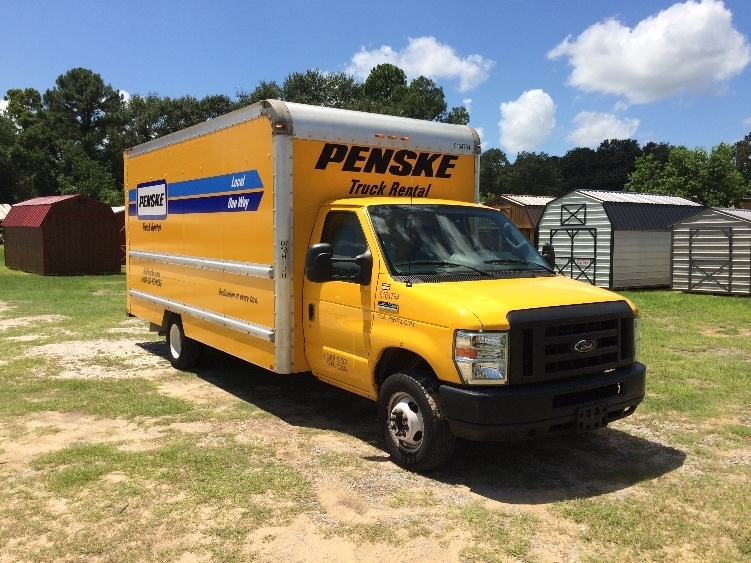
528,199
647,217
533,205
742,214
629,197
31,213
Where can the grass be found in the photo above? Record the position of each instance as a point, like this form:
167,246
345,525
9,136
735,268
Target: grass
120,468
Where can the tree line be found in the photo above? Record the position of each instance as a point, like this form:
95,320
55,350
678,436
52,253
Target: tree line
716,178
70,139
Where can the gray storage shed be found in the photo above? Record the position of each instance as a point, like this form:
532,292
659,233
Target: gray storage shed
614,239
711,252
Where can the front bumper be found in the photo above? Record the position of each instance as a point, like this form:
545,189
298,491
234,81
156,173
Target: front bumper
523,412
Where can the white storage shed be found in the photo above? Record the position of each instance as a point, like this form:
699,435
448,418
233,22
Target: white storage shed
711,252
616,240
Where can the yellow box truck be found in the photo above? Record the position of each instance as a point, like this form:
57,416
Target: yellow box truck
350,245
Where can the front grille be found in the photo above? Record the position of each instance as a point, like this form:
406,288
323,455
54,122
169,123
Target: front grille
570,341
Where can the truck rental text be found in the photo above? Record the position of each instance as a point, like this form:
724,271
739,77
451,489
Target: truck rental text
351,245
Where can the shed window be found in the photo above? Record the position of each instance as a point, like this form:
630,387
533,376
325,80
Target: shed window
574,214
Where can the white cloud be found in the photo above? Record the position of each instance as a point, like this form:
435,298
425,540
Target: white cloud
747,122
689,47
124,95
3,105
480,133
427,57
593,127
526,122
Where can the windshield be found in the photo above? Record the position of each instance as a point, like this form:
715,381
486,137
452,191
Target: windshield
443,240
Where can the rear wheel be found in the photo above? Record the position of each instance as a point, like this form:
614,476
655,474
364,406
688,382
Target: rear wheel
413,423
183,352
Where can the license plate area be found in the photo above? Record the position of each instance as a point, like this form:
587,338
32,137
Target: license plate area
592,417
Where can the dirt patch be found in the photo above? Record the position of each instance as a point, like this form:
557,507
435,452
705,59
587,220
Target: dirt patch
105,359
312,540
46,432
23,322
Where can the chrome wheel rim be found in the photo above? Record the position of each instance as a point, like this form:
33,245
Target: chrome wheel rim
175,342
406,424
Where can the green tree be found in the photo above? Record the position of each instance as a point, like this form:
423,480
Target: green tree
743,159
386,83
648,176
336,90
615,161
8,169
660,151
494,167
83,109
535,174
708,178
24,107
725,185
81,174
264,91
457,116
33,149
579,169
424,99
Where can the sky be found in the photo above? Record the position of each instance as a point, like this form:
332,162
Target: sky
536,75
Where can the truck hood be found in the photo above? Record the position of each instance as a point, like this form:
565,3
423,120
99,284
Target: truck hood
491,300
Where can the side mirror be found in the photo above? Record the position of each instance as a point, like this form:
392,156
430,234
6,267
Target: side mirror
365,261
318,263
548,252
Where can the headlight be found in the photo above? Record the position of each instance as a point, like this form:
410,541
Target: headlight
637,336
481,357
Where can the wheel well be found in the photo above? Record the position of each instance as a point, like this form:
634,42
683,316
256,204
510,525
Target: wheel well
398,359
161,329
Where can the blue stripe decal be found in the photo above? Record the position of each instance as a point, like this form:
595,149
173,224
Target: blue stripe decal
247,180
216,204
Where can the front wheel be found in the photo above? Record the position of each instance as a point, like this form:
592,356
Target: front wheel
412,421
183,352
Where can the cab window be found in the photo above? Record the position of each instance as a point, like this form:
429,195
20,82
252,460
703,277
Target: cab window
342,230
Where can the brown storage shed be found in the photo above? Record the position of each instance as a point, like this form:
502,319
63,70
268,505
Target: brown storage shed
59,235
523,210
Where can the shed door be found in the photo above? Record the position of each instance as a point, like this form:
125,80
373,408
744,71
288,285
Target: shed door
575,253
710,258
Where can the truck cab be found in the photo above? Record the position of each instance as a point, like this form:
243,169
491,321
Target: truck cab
446,315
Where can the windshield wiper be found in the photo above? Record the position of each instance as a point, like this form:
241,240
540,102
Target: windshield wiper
506,261
449,264
516,261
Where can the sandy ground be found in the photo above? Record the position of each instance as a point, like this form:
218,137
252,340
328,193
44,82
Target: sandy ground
302,434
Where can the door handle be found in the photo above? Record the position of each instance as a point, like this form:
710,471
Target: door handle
311,311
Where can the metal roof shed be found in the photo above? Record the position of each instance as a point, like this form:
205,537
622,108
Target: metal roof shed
614,239
523,210
711,252
58,235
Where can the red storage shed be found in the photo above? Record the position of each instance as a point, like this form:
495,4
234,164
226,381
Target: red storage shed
58,235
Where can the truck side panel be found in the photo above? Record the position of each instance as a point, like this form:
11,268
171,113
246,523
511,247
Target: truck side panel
211,256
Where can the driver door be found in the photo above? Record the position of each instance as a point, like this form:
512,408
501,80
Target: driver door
339,312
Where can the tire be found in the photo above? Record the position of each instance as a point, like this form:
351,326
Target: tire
413,423
183,352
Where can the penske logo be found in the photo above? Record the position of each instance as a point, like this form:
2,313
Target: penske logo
152,200
378,160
